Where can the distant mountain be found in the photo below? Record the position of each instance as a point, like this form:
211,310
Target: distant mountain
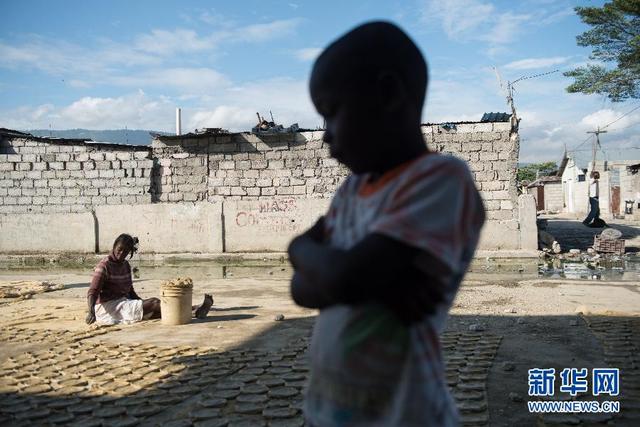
117,136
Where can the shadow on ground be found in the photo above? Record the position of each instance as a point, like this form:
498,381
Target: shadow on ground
59,377
572,234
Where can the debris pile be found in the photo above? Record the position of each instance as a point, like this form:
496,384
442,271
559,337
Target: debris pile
266,127
546,241
609,241
211,131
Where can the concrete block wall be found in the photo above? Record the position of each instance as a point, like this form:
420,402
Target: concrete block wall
241,171
553,198
49,177
491,152
243,166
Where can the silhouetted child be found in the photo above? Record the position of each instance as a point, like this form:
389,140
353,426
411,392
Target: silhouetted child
384,264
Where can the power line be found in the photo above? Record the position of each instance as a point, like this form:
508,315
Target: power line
626,127
624,115
607,125
582,143
533,76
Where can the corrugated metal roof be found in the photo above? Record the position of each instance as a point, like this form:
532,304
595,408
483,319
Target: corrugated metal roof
495,117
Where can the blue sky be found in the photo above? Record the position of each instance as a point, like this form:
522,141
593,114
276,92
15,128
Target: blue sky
111,64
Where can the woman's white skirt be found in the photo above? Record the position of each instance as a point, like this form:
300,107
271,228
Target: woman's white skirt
121,310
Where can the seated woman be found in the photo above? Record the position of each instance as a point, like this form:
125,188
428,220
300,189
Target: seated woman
111,298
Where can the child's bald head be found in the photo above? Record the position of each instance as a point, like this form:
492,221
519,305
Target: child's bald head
361,57
370,85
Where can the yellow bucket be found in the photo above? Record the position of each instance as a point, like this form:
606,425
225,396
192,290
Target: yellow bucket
175,301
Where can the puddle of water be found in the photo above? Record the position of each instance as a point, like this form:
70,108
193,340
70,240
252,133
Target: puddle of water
486,269
616,269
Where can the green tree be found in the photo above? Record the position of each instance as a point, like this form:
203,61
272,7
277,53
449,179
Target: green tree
614,38
528,172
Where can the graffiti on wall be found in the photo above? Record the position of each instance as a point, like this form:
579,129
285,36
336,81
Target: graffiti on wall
278,215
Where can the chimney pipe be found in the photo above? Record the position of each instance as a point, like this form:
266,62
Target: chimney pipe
178,121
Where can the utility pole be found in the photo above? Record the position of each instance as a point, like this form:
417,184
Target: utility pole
593,150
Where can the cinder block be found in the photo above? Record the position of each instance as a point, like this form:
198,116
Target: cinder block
238,191
259,164
56,165
72,166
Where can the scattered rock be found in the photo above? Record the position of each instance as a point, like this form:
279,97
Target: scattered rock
278,317
611,234
476,327
508,366
515,397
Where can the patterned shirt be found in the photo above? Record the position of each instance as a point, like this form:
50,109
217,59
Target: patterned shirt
368,368
111,280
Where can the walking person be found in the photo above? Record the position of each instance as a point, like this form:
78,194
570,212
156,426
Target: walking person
593,218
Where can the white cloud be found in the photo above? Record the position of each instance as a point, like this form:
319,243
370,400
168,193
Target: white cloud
163,42
457,17
108,59
135,110
533,63
308,53
482,21
505,28
215,19
225,116
266,31
557,16
187,80
235,108
544,135
602,118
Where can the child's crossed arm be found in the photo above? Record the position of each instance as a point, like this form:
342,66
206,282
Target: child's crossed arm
379,269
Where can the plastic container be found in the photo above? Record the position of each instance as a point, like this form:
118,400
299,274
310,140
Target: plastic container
175,301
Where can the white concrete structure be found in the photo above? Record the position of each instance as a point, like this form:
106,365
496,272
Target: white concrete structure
165,228
268,225
616,185
47,233
178,121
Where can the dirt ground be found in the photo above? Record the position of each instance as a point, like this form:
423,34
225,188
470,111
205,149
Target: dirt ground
241,366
